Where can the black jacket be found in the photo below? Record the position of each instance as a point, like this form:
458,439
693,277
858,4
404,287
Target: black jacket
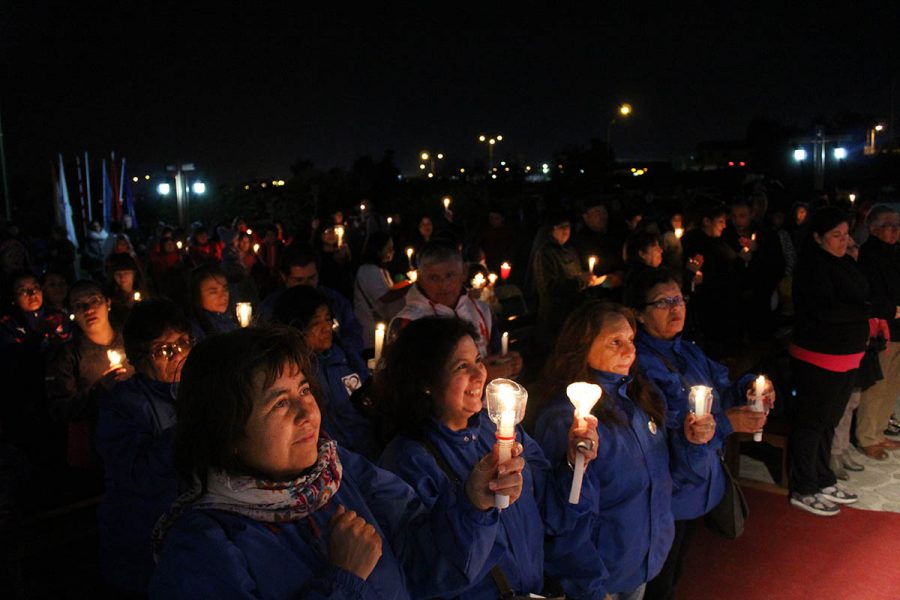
880,263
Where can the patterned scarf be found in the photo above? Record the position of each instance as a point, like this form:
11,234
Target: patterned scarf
261,499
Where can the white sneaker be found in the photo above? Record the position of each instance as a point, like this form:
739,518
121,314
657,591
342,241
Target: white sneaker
839,495
817,504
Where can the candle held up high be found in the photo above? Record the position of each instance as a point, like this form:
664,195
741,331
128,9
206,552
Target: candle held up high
244,312
583,396
506,402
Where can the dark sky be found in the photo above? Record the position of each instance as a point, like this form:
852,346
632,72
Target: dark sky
245,92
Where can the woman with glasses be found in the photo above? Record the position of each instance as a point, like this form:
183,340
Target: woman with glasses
306,309
80,373
675,365
210,302
134,438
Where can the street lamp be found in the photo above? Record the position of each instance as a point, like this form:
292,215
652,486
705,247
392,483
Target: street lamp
491,142
840,153
800,155
624,111
182,190
871,147
429,157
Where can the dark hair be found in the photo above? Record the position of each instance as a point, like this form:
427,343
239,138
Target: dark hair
198,276
219,381
147,321
18,276
413,366
637,242
827,218
638,287
371,253
122,262
298,305
80,287
296,256
569,363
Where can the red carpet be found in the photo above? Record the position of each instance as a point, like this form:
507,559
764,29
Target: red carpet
786,553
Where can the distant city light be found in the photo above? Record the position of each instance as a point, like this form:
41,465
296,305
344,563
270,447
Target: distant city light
135,179
499,138
440,156
840,153
625,110
462,170
879,127
199,187
502,163
424,156
430,175
799,154
164,189
422,167
146,177
481,138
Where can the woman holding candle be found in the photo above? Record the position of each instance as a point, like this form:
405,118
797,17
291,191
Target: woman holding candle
124,285
210,302
832,306
676,366
278,510
335,268
429,395
134,438
372,298
630,525
337,374
81,372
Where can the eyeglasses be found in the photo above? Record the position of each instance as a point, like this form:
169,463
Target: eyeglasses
667,303
168,350
29,291
92,302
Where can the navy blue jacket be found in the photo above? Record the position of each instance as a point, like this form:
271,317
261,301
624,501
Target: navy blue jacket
697,475
221,555
629,525
519,547
134,438
341,420
221,323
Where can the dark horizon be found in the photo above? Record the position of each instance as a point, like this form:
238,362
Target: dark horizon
246,95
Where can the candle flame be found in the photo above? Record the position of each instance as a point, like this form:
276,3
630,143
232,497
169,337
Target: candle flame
584,396
679,232
115,359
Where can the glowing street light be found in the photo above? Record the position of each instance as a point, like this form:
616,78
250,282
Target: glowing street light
428,157
800,155
198,187
840,153
491,142
164,189
624,111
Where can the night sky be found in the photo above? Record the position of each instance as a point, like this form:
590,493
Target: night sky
244,92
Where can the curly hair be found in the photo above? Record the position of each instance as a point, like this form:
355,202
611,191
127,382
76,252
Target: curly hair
569,363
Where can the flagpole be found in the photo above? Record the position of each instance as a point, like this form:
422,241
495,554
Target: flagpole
84,221
6,197
87,187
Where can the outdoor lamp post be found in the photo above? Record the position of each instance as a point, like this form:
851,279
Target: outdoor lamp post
491,142
624,111
183,189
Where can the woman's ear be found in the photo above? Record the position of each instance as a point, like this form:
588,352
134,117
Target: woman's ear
817,238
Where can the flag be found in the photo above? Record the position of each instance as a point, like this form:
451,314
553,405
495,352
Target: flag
120,191
129,203
87,189
63,207
107,198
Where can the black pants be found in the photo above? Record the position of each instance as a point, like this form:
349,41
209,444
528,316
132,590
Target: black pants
821,399
662,587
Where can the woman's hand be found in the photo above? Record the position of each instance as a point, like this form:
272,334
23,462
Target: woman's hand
353,544
489,478
745,420
699,430
583,431
112,377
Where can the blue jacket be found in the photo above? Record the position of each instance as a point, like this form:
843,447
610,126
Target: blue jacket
519,548
221,555
341,420
697,476
629,526
221,323
134,438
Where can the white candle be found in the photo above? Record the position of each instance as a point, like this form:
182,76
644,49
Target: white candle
446,202
179,244
256,248
244,313
592,262
505,431
583,396
478,281
679,232
390,220
409,253
379,340
339,232
492,278
115,359
137,296
504,343
412,275
759,389
506,401
699,399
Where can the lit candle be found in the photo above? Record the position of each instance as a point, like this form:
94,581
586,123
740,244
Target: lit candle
478,281
256,248
412,275
446,202
506,406
409,253
379,341
244,313
179,244
390,220
492,279
115,359
852,198
679,231
504,343
362,207
583,396
592,262
339,232
700,400
249,232
137,296
505,268
759,390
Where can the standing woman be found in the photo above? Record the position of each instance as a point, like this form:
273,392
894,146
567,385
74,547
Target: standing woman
134,439
210,302
430,389
831,300
674,365
373,282
631,526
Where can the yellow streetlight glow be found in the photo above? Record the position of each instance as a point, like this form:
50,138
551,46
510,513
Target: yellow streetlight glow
440,156
422,167
430,175
492,141
499,138
462,170
424,156
625,109
146,178
879,127
481,138
134,179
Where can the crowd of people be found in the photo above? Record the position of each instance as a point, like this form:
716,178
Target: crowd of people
335,441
